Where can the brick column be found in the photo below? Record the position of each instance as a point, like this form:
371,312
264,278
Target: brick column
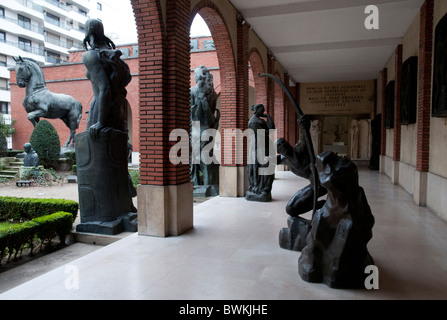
286,108
165,193
242,82
424,101
296,94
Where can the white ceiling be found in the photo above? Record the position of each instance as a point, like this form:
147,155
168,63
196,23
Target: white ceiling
326,40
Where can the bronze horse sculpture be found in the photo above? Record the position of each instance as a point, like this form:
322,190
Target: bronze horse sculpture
40,102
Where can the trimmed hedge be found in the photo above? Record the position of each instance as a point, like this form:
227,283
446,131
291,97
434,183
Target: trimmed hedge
45,141
14,239
23,209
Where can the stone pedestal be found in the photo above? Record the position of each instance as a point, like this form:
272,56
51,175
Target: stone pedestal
104,185
206,191
233,181
420,188
165,210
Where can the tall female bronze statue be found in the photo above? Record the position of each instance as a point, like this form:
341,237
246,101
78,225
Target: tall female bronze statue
104,184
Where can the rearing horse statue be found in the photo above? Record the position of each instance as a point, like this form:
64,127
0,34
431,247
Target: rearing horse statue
40,102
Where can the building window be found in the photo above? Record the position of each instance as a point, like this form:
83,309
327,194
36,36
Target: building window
4,84
53,38
2,12
99,6
4,107
2,36
3,60
25,44
194,44
208,44
52,57
82,12
52,19
24,22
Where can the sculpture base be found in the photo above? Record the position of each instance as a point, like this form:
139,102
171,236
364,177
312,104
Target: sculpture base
294,237
125,223
104,185
201,191
260,197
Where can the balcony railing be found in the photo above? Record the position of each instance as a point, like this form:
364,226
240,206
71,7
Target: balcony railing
30,4
25,25
61,24
25,47
63,44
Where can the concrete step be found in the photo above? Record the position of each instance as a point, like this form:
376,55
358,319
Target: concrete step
10,167
98,239
16,163
6,176
8,172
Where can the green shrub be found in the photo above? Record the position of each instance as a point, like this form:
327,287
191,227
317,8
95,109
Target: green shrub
135,176
40,175
3,144
57,224
14,239
45,141
23,209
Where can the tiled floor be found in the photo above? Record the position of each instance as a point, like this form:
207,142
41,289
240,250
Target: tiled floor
233,253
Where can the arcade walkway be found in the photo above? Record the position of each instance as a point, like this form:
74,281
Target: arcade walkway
233,253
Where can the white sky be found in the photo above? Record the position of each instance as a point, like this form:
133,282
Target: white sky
120,24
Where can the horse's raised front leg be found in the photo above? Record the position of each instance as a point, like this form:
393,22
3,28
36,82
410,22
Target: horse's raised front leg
34,116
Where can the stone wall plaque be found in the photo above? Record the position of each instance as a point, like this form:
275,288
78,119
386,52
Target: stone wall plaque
337,98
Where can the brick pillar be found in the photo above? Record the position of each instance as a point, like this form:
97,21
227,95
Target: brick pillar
424,85
397,128
297,127
286,108
424,101
383,83
165,193
242,82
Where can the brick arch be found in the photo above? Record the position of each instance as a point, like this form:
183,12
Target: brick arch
227,66
257,67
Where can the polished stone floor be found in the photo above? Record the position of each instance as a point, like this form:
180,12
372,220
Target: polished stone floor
233,253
